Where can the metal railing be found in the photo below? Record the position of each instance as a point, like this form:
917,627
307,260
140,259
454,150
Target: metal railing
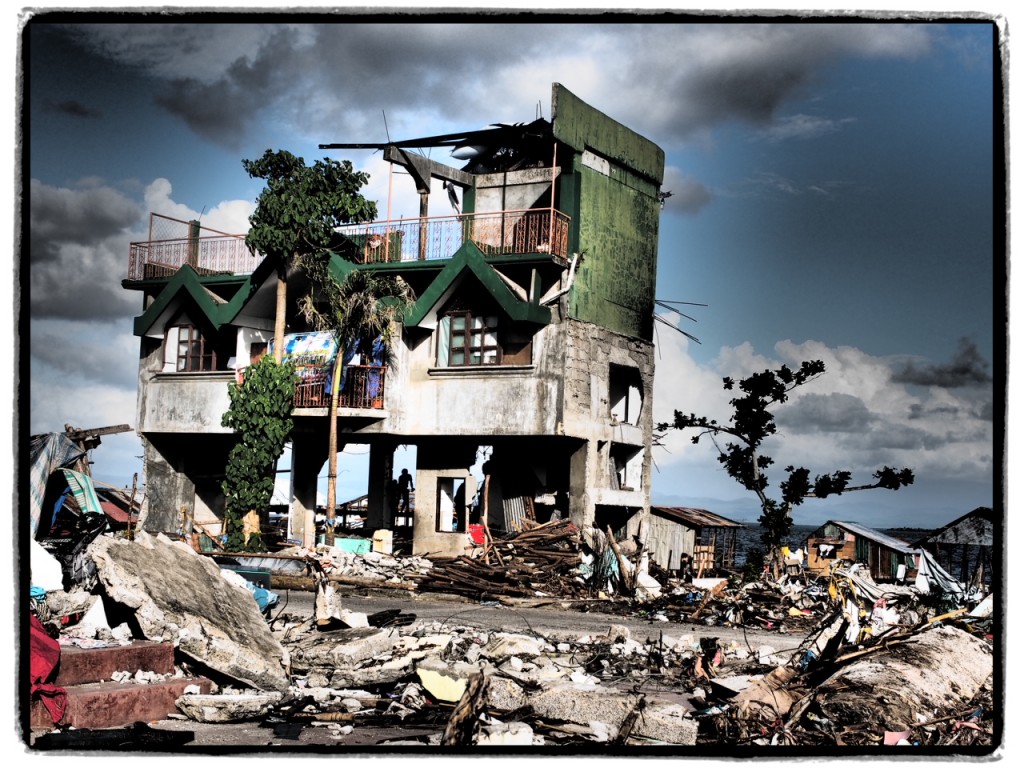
362,387
207,255
438,237
174,243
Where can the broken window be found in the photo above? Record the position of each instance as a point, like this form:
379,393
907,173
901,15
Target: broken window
191,350
624,394
626,466
451,504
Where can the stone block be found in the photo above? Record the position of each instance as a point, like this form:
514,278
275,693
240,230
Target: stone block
113,705
91,665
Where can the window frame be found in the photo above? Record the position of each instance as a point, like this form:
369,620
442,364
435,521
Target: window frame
489,329
185,357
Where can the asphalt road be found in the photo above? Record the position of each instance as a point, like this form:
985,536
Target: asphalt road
554,619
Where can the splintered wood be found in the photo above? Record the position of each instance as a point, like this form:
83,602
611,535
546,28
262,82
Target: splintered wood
541,560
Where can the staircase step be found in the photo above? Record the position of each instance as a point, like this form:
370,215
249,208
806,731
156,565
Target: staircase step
115,705
93,665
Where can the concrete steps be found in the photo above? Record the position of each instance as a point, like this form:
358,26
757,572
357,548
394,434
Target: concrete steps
94,701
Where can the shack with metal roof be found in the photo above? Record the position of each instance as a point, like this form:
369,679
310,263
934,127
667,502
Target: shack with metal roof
886,557
682,534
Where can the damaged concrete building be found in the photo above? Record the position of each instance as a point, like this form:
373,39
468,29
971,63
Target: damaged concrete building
530,340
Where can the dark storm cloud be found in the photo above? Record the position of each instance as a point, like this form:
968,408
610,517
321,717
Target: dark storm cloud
73,108
745,72
689,196
102,363
967,368
980,409
336,79
339,80
78,252
835,412
59,215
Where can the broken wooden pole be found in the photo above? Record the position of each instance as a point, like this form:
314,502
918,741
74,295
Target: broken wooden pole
464,721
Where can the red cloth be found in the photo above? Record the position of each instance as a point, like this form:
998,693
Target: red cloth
44,658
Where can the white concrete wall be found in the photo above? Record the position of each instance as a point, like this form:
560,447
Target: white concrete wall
186,402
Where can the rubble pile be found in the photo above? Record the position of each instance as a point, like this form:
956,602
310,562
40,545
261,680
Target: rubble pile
878,664
339,565
540,561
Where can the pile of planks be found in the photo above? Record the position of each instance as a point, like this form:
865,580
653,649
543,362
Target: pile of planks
539,560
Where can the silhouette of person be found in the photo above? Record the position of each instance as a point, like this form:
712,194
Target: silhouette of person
404,486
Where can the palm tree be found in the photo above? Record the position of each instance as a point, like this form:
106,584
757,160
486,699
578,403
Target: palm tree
361,312
298,212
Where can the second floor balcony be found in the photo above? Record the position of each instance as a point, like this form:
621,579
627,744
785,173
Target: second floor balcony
439,237
362,386
174,243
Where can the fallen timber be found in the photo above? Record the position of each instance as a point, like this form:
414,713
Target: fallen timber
538,561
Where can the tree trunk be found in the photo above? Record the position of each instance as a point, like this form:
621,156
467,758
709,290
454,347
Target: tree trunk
281,309
332,450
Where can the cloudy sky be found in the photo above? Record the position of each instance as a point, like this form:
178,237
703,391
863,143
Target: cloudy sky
832,198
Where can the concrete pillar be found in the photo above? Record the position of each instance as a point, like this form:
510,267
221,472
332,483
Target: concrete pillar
382,467
429,519
582,477
170,485
309,452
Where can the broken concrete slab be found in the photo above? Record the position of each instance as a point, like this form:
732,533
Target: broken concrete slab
496,734
345,648
181,597
227,708
586,704
448,681
504,645
911,680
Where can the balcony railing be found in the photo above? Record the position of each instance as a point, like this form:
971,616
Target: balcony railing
362,387
438,237
174,243
208,256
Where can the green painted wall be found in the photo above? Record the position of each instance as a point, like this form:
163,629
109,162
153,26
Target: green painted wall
613,193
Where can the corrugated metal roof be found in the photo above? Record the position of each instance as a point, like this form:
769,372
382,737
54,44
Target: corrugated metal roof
876,536
698,518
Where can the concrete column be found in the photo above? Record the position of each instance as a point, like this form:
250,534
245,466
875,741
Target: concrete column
382,467
582,477
309,452
166,481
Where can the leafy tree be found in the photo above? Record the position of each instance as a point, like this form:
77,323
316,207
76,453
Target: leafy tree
298,211
361,312
749,426
260,413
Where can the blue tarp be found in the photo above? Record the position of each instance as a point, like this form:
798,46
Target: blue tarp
47,453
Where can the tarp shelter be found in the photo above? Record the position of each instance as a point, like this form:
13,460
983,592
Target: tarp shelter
47,453
677,531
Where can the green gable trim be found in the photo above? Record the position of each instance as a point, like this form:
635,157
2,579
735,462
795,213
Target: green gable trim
185,281
470,258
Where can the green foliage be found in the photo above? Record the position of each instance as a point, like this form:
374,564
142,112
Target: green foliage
362,308
750,425
299,209
753,566
260,413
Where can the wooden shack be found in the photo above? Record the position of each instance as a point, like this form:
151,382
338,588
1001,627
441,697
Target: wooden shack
887,558
964,547
709,540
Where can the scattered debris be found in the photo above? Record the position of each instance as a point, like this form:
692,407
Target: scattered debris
879,664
